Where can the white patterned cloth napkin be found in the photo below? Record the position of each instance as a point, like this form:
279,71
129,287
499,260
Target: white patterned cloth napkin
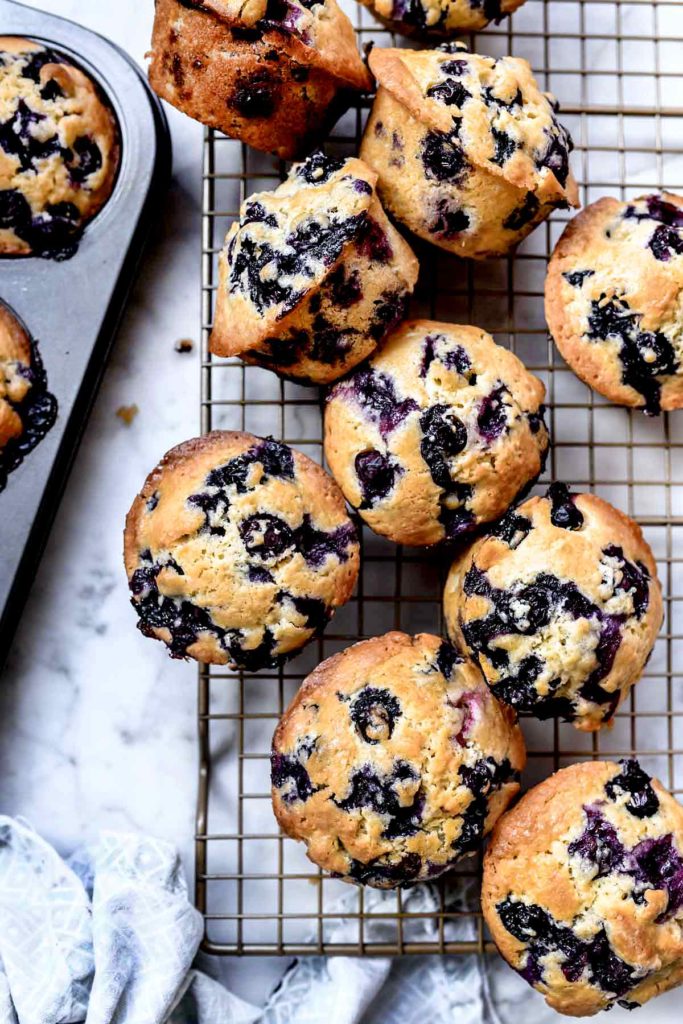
109,937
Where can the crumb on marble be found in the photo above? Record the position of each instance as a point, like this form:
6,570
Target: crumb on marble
184,345
127,413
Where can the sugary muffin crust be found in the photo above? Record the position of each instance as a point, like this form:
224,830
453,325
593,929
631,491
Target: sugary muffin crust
274,73
440,17
27,409
614,299
238,550
560,604
313,275
393,761
468,151
58,151
583,888
438,433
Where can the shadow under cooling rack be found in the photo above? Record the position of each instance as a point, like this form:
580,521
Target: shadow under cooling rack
615,67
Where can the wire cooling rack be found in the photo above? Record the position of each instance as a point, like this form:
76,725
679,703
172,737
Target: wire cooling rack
616,69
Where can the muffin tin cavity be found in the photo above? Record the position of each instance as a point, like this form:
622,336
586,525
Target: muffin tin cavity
27,409
59,150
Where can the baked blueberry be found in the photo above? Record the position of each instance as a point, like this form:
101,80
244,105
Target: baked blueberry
393,761
613,299
274,73
313,275
59,145
27,409
584,899
468,151
560,605
433,18
435,435
238,550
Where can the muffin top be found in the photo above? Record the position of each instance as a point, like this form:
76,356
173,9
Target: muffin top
319,33
440,17
614,299
484,110
284,288
560,604
58,150
437,433
27,409
394,760
583,887
238,549
288,241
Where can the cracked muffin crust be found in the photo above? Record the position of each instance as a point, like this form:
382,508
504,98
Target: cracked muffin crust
614,299
438,433
313,275
58,151
583,888
422,18
238,550
27,409
273,73
393,761
560,605
468,151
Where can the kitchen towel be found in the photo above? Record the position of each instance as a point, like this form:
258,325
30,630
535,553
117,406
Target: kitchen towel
109,937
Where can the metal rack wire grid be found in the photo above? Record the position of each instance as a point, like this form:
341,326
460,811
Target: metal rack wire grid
616,69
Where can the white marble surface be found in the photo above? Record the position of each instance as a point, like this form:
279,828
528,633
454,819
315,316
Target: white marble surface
97,725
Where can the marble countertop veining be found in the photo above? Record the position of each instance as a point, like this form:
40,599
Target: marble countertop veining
97,725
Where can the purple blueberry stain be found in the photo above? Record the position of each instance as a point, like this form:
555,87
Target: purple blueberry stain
644,355
543,935
564,512
374,712
492,418
376,395
377,474
483,779
319,168
513,528
371,789
443,157
449,221
576,277
637,784
444,436
522,215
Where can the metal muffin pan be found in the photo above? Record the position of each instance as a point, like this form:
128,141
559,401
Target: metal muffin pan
72,308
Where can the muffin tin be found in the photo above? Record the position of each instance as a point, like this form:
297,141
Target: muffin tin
74,321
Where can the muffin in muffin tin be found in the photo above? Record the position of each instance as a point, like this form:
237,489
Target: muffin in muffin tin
393,761
468,151
423,18
27,409
238,550
560,605
59,151
313,275
583,888
614,299
437,434
273,73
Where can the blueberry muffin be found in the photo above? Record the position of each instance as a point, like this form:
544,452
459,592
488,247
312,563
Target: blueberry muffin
468,151
238,550
422,18
583,888
614,299
27,409
273,73
393,761
313,275
560,605
58,151
438,433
